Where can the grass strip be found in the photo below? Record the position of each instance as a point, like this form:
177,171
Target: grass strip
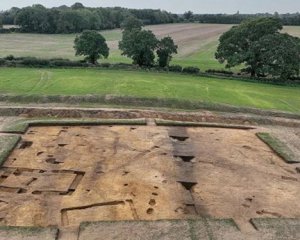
7,145
21,125
281,149
29,231
161,122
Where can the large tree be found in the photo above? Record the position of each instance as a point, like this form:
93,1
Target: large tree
140,46
279,55
236,45
92,45
166,47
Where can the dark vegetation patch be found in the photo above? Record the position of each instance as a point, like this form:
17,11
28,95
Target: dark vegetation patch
21,125
278,147
7,145
161,122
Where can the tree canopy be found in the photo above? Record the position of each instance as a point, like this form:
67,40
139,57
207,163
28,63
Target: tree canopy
92,45
166,47
140,46
279,55
109,18
259,45
131,23
75,19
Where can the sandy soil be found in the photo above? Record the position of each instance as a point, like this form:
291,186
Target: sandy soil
67,175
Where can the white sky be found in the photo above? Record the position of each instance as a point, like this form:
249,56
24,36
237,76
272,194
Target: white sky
176,6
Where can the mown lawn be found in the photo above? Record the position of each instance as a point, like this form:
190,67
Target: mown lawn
27,81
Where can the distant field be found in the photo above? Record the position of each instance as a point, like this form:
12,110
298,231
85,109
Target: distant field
24,81
197,43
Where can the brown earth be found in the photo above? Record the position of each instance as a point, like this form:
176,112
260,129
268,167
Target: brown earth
67,175
190,37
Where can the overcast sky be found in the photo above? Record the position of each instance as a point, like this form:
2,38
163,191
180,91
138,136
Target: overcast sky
176,6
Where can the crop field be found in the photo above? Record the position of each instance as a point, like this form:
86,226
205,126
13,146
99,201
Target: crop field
197,43
27,81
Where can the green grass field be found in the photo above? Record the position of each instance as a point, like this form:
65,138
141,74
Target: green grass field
24,81
197,44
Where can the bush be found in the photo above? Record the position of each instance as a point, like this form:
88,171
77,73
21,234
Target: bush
105,65
66,63
191,70
2,62
175,68
32,61
10,57
215,71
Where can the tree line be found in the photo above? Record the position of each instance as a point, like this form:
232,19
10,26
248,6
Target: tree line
75,19
292,19
257,44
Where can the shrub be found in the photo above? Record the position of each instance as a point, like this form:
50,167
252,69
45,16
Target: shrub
10,57
216,71
2,62
175,68
67,63
32,61
105,65
191,70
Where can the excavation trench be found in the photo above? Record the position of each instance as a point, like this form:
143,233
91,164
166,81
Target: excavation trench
64,176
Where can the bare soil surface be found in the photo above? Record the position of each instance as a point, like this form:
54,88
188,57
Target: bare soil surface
68,175
190,37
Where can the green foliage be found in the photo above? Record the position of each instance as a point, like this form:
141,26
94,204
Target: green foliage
188,16
262,48
166,47
77,6
175,68
217,71
192,70
131,23
279,55
74,19
1,22
139,45
236,45
91,44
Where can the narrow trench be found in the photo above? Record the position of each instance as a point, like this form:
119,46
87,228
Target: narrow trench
76,181
133,209
185,158
31,181
64,212
179,138
181,135
188,185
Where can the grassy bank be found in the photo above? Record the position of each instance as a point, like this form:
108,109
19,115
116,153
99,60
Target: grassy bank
27,81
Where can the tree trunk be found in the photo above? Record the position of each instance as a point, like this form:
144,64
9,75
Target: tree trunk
253,72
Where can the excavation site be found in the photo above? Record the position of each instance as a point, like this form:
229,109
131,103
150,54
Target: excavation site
69,176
